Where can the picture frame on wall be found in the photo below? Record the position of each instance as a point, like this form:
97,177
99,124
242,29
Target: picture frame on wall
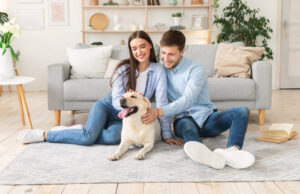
30,19
198,22
58,13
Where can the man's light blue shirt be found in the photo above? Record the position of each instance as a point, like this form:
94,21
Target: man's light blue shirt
156,85
188,92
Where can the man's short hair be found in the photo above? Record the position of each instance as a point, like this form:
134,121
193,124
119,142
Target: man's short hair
173,38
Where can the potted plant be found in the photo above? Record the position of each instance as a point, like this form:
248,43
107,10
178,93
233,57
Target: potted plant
3,17
239,23
177,18
8,31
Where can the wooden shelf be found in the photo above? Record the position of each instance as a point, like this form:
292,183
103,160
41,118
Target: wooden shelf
130,31
114,7
145,6
177,6
85,8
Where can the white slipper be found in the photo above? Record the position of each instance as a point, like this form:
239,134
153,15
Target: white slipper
198,152
60,128
236,158
31,136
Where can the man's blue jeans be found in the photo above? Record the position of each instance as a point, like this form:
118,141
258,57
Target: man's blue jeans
102,127
235,118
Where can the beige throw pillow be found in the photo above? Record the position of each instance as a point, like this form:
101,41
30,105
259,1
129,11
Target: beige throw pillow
112,64
89,62
235,61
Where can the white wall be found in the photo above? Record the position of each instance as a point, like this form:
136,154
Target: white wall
43,47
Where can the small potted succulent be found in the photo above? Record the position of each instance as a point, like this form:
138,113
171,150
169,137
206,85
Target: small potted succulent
177,18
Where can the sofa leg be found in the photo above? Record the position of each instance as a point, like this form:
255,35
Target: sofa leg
261,114
57,117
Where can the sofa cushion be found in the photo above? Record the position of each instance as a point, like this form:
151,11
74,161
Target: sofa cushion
112,64
235,61
89,62
86,89
222,89
120,52
204,54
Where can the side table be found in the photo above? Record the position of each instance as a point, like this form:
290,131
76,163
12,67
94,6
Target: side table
18,81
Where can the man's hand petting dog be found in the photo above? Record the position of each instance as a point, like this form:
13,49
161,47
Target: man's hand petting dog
150,117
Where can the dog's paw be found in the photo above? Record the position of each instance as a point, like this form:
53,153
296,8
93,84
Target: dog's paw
139,156
114,157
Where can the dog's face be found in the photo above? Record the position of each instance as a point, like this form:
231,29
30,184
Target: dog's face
133,103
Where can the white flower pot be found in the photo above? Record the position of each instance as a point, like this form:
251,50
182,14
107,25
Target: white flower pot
6,65
177,21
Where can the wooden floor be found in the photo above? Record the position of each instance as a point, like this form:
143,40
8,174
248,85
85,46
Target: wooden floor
285,108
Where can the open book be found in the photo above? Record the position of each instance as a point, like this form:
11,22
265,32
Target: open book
278,133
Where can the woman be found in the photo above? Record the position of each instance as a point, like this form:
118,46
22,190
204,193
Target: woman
139,72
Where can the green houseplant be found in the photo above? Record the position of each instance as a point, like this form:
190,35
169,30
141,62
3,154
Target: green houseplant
177,14
3,17
177,18
239,23
8,31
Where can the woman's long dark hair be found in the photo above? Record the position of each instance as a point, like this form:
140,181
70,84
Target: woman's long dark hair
130,71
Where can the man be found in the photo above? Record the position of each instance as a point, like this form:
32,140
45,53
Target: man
195,115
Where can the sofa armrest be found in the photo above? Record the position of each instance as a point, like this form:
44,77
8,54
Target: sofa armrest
262,75
57,74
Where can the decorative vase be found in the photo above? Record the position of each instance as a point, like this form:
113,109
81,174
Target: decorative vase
6,65
177,21
172,2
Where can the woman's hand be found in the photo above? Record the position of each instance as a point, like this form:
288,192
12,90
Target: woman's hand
131,90
172,141
150,116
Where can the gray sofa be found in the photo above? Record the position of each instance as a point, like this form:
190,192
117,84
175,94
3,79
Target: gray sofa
65,94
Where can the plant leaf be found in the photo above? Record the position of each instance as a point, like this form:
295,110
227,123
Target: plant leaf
3,17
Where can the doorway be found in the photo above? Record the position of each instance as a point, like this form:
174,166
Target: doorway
290,45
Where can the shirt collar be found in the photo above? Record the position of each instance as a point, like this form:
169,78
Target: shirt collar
180,65
150,68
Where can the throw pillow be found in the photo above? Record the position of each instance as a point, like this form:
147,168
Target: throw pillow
112,64
89,62
235,61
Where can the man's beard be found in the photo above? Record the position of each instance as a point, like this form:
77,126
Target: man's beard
176,63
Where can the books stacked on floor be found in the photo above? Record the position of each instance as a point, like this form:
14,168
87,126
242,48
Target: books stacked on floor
153,2
278,133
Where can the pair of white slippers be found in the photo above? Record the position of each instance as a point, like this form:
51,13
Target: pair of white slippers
233,157
37,135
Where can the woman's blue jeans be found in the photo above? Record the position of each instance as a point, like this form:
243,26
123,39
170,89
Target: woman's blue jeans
102,127
235,118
